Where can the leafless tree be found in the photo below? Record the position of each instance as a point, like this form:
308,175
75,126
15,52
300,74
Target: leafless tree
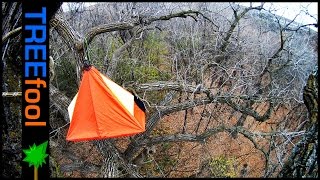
232,70
244,63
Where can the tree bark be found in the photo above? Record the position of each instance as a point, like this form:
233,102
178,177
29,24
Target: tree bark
303,160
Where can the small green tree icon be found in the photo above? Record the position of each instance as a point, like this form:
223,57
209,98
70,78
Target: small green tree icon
35,156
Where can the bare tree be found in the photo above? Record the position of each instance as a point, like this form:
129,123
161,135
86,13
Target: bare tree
219,64
224,62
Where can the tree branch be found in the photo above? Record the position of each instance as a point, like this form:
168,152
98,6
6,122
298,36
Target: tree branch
93,32
165,85
249,111
68,34
11,33
226,39
182,14
151,123
202,137
115,57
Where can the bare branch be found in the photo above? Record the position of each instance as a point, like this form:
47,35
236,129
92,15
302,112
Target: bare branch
135,22
93,32
115,57
182,14
236,20
68,34
11,33
163,85
202,137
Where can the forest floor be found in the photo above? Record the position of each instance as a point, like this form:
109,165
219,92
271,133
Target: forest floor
69,159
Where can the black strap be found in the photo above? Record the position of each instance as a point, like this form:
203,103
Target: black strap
86,65
139,103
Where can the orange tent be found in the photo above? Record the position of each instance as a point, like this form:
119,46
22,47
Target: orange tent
102,109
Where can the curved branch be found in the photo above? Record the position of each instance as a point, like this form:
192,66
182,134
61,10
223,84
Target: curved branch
93,32
11,33
193,103
182,14
68,34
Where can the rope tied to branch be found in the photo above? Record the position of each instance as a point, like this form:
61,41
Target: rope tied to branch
86,65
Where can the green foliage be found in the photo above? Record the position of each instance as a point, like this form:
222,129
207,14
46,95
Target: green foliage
155,48
189,45
222,167
97,53
150,74
115,43
184,43
148,62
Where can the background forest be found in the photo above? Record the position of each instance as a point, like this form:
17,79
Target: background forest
230,91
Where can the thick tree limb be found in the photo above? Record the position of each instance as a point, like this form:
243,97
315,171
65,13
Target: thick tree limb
182,14
104,28
210,98
250,111
68,34
202,137
164,85
102,144
302,161
165,110
93,32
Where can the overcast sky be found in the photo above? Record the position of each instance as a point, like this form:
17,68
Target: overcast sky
287,9
291,9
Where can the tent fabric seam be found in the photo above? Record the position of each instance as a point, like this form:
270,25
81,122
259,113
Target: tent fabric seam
114,96
98,130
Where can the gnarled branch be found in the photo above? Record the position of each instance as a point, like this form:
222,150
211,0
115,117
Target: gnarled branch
68,34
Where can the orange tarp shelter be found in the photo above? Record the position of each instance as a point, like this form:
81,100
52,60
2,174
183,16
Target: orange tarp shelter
102,109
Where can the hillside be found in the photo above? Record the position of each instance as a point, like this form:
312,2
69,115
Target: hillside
229,91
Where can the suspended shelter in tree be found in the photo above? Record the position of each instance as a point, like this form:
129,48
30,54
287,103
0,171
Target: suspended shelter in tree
102,109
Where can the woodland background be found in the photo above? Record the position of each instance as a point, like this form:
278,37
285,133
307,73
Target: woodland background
230,91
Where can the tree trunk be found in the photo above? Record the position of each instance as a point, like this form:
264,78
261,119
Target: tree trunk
303,160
